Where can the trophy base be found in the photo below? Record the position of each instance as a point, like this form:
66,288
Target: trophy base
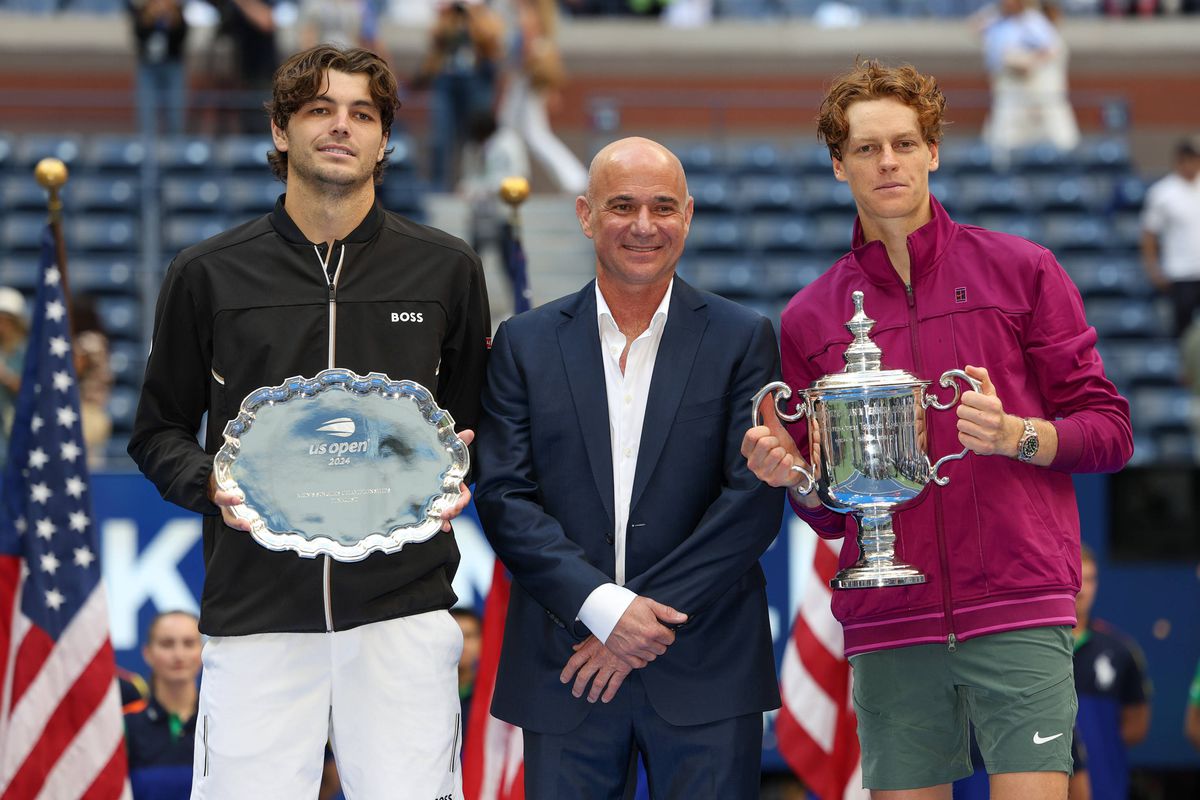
864,577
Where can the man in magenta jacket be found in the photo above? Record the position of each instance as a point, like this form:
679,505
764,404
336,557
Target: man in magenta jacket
986,641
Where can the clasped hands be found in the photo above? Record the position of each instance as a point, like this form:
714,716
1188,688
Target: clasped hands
640,636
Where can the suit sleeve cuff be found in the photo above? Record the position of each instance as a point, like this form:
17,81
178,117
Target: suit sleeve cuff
603,609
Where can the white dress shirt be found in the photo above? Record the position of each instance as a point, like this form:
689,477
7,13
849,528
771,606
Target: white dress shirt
627,393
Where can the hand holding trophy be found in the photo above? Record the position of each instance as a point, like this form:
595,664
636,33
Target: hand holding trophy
866,429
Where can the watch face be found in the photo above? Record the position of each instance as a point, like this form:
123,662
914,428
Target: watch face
1029,448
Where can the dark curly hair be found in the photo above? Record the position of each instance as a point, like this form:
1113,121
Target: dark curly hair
300,79
870,80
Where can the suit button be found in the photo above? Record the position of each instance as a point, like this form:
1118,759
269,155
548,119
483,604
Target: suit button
608,537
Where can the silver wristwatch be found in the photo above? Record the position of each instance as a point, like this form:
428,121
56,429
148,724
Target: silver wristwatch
1027,446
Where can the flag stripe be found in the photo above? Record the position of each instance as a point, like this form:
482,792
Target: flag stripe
77,706
110,782
77,648
822,666
33,650
100,735
814,711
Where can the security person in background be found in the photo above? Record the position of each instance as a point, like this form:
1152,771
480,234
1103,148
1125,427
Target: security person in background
160,730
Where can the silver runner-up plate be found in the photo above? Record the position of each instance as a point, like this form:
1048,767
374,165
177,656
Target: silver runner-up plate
342,464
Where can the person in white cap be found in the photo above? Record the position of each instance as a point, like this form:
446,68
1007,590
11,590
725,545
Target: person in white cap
14,331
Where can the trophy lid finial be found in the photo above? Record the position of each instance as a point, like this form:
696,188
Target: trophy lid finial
863,355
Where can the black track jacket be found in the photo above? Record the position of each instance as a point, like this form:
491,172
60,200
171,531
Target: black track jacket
252,307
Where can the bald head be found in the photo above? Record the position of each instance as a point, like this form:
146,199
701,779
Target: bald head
635,152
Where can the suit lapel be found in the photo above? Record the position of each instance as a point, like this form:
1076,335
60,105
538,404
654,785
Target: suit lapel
686,321
579,340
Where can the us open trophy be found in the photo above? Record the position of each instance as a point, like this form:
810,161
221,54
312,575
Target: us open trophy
341,464
868,425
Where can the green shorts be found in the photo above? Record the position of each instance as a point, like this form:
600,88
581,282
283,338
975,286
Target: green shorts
915,706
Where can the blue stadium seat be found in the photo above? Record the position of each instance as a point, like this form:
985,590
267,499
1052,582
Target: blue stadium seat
1130,191
102,193
19,272
1126,230
986,193
763,193
403,159
245,153
1160,409
832,233
1041,158
1071,193
97,274
1106,276
786,276
1153,362
945,188
192,193
713,194
1125,318
764,158
1066,230
965,156
699,158
1106,154
122,406
185,154
1015,222
22,232
827,193
714,233
7,152
812,159
1176,447
101,232
246,195
114,153
127,360
33,147
734,276
120,316
1145,450
185,230
780,233
20,192
404,194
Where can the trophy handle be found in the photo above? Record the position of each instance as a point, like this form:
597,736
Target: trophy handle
780,391
948,381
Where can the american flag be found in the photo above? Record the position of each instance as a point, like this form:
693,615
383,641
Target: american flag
493,764
60,717
816,728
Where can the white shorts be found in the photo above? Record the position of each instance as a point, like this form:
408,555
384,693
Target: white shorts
384,694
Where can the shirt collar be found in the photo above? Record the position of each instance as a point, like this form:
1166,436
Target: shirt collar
659,319
925,246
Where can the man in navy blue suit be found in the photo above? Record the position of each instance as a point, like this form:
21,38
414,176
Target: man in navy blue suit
612,487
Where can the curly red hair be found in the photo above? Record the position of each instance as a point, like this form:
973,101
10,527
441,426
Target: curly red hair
870,80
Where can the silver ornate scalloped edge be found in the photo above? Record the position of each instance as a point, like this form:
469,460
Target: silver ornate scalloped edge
323,381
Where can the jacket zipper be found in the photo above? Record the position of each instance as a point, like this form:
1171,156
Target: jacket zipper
331,283
939,528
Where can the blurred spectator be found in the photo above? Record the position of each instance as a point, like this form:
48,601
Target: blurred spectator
14,333
160,732
95,378
134,690
345,23
331,780
1171,234
160,30
1114,692
1026,61
460,68
534,76
1191,723
468,662
491,155
242,60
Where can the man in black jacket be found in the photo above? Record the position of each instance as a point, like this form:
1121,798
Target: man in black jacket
327,279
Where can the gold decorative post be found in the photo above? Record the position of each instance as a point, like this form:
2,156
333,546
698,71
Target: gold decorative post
51,174
513,191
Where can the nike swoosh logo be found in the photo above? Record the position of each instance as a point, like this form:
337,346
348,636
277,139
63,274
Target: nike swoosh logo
1038,739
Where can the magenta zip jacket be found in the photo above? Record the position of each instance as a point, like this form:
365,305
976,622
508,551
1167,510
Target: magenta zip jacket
1000,542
